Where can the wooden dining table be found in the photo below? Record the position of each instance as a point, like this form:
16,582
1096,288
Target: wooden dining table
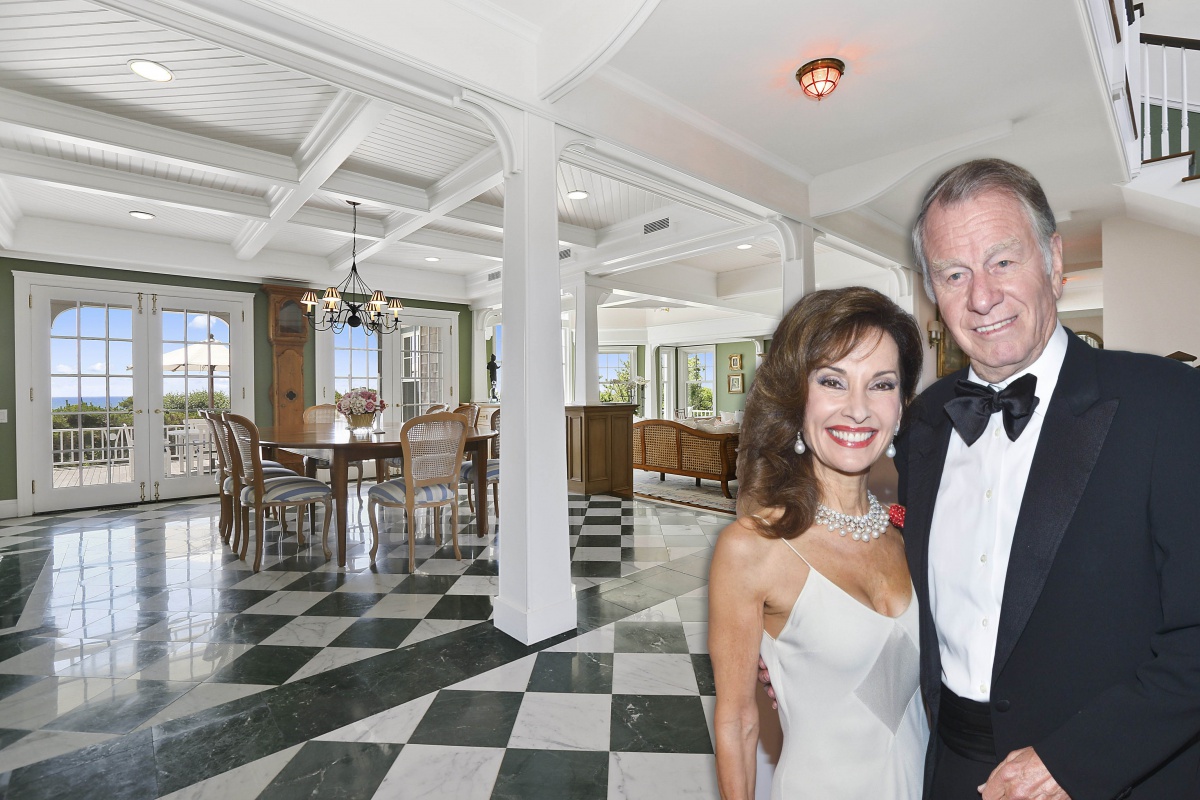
347,447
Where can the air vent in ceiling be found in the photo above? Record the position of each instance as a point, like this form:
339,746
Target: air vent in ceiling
657,225
493,276
565,253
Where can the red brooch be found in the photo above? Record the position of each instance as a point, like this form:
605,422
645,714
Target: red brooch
896,516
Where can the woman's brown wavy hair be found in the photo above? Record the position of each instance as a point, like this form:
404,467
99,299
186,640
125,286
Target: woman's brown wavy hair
821,329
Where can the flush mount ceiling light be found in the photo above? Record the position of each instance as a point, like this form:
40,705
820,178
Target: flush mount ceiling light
744,246
151,70
819,78
432,258
577,194
141,215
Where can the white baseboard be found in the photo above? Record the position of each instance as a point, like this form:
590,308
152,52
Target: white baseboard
8,508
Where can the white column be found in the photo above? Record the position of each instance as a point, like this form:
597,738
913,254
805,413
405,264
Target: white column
1145,102
587,343
535,600
479,377
798,261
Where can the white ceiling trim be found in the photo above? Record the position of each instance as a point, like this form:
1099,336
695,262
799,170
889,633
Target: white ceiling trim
472,179
491,219
87,178
640,255
50,119
453,241
347,121
675,295
501,18
333,222
10,214
689,116
858,184
597,30
378,191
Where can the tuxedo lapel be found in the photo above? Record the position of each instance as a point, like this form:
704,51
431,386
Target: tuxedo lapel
929,439
1073,433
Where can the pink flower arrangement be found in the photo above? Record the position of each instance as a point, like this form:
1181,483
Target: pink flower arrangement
360,401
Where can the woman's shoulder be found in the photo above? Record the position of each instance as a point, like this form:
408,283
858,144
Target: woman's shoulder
743,541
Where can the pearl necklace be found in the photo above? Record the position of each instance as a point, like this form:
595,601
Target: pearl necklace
862,529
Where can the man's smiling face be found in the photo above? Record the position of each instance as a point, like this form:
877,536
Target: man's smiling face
991,282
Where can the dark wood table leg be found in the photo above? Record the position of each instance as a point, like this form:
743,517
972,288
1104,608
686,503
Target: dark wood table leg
479,459
339,471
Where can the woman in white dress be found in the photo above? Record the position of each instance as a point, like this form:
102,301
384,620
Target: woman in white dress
811,574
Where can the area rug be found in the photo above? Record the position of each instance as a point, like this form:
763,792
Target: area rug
682,490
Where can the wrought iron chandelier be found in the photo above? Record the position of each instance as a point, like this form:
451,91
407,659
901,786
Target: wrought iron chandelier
343,305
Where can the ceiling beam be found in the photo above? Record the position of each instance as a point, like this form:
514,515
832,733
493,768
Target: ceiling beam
491,218
84,177
377,191
10,212
48,119
347,121
338,222
636,254
456,241
470,180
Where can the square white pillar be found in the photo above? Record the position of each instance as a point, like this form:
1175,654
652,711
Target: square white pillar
536,599
799,267
587,343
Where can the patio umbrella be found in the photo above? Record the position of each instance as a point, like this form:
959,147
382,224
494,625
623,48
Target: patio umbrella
199,357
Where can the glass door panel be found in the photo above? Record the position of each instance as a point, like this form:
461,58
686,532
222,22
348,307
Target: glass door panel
421,378
86,366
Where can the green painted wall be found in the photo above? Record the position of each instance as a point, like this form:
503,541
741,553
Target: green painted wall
1174,130
725,400
262,353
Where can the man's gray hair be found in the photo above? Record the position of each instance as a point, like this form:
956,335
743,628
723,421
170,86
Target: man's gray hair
970,180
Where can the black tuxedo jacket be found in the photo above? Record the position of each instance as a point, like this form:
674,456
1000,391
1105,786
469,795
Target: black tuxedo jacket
1098,652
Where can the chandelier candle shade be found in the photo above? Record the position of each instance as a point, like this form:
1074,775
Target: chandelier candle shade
352,303
819,78
360,406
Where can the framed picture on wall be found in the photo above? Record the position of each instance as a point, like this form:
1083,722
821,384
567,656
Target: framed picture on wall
736,386
735,361
950,358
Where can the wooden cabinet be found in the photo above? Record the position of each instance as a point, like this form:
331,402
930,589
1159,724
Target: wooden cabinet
600,449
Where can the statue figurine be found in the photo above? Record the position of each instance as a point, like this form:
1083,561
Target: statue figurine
493,368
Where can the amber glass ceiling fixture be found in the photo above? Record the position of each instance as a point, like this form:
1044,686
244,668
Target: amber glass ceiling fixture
352,303
819,78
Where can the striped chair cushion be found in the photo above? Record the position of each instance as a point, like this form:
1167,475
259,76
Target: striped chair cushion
292,489
268,464
393,492
493,471
268,472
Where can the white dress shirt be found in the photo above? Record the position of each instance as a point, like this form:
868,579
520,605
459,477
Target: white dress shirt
971,535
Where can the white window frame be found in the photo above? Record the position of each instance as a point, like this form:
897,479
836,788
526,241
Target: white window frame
391,355
633,364
681,366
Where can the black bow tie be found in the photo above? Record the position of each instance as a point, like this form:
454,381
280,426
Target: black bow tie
974,405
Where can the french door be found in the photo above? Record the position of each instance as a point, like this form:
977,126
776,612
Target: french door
117,381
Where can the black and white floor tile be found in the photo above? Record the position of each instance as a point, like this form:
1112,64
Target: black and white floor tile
139,658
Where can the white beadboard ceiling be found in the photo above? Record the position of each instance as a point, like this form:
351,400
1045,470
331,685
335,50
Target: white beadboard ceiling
261,158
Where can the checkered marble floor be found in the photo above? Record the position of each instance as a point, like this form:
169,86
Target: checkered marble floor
140,658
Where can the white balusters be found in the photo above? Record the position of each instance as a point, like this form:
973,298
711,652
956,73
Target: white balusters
1184,136
1163,138
1145,131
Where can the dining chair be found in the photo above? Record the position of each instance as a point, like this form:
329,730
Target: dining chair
230,481
470,411
261,492
432,451
323,459
493,469
436,407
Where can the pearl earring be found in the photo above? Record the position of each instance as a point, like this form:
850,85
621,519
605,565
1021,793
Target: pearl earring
891,448
799,446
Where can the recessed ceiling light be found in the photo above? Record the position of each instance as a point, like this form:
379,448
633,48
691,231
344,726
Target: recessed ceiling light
577,194
141,215
744,246
151,70
432,258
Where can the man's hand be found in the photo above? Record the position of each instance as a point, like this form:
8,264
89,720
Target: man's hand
764,677
1022,776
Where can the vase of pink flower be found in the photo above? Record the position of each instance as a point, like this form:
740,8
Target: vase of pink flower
360,406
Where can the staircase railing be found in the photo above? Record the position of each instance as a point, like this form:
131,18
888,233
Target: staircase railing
1166,59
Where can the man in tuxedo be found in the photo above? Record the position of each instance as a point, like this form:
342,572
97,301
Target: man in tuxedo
1053,525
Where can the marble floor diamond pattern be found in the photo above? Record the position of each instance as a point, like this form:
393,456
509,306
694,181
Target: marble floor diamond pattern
140,658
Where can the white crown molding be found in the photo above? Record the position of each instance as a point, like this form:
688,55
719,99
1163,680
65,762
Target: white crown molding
627,83
501,18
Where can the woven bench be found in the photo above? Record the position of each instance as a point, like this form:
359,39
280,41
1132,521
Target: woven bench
664,446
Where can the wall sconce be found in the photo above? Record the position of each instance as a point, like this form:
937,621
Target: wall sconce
935,332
